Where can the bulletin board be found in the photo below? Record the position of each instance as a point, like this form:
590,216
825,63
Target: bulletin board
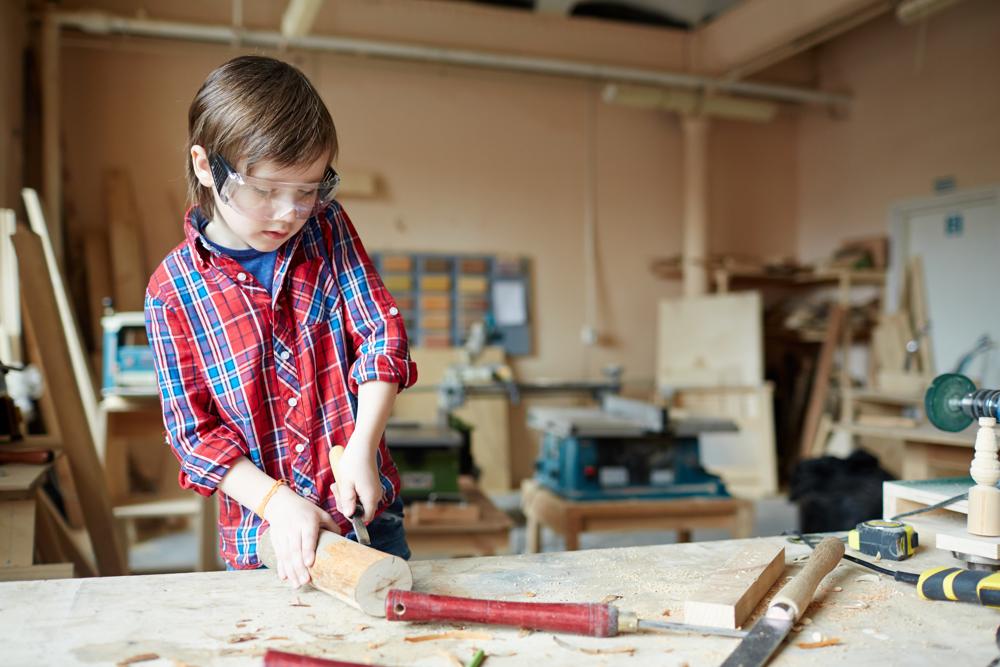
442,295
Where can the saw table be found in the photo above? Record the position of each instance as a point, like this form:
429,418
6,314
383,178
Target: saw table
231,618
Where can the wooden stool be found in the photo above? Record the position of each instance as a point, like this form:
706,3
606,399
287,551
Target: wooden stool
19,486
569,518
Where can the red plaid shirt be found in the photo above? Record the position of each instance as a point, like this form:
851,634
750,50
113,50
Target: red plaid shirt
272,377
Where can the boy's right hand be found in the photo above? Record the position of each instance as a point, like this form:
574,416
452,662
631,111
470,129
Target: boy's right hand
294,532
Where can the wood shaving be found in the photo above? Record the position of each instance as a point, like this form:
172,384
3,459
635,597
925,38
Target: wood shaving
666,612
361,628
530,594
878,557
832,641
239,639
627,650
524,632
608,599
142,657
466,635
837,589
276,639
374,645
807,621
299,603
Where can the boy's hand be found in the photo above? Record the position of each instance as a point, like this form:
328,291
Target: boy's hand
294,532
357,479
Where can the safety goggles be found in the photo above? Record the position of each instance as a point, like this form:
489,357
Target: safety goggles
265,199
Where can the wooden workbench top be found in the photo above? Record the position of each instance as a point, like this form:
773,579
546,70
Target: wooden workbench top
230,618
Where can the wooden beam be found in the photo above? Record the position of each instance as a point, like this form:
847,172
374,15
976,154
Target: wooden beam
729,595
758,33
10,303
821,380
51,149
128,266
299,17
68,380
37,572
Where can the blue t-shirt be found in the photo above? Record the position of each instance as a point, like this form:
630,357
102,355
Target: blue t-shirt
258,262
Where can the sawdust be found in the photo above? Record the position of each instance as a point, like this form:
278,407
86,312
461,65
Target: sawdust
239,639
277,639
142,657
626,650
530,594
464,635
362,627
608,599
832,641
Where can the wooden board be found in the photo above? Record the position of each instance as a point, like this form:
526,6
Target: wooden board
18,480
728,596
105,621
67,378
821,380
98,267
37,572
714,340
747,460
424,513
128,266
17,533
10,302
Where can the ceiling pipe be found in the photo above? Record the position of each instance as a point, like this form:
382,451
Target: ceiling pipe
102,23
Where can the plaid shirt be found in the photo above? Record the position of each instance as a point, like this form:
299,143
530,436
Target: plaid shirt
273,378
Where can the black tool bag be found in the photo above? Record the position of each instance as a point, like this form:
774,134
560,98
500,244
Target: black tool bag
837,494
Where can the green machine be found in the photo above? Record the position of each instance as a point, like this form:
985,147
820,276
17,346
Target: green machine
430,458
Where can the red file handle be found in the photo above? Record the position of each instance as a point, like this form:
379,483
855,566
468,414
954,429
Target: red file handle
595,620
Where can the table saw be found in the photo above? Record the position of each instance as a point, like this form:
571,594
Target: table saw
623,449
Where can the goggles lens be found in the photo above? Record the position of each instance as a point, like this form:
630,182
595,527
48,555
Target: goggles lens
265,199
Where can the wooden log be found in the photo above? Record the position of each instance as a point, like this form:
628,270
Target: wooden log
729,595
357,575
72,392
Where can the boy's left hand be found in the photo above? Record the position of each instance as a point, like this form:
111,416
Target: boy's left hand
358,479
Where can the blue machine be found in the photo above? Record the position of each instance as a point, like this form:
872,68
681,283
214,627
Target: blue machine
127,364
624,449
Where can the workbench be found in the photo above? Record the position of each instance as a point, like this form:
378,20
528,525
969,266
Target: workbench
927,451
230,618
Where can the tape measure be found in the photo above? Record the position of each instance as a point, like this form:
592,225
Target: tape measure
891,540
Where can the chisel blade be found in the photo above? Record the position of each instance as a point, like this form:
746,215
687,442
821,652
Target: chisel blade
666,626
360,529
760,643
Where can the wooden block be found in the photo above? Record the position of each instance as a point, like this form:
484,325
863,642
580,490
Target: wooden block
17,533
436,513
473,285
728,596
435,283
984,511
397,263
435,302
961,541
18,480
437,265
37,572
397,283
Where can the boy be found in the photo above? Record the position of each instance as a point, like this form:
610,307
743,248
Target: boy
274,338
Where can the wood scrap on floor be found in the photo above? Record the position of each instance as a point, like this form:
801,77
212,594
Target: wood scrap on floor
832,641
627,650
463,635
728,596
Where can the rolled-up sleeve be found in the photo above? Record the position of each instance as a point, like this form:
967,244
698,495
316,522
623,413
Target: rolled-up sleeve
373,320
205,448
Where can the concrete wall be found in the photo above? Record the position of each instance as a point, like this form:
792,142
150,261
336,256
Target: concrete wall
926,105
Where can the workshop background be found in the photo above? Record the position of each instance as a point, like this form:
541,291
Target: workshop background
673,270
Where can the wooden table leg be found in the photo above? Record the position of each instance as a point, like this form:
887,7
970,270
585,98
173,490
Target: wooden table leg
574,526
683,535
743,521
533,534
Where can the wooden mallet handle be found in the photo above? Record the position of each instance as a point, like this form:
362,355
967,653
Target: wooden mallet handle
798,593
595,620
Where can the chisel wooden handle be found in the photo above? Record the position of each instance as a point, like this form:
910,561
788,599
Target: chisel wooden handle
595,620
798,593
336,452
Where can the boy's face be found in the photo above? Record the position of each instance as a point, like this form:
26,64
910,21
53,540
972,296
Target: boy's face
238,230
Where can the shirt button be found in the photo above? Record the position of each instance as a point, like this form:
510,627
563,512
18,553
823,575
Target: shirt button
284,354
241,276
394,311
293,401
300,448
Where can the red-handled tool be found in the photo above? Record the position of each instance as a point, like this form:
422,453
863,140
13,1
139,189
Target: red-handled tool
592,619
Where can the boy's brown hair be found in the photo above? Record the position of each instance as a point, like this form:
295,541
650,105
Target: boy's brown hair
253,109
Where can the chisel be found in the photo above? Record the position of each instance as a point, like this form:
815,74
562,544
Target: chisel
592,619
767,634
